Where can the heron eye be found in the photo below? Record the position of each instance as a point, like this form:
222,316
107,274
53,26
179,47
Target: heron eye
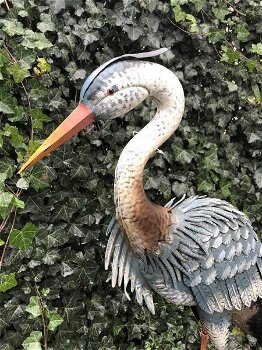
110,91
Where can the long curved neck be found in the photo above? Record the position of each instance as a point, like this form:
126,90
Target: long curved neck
145,223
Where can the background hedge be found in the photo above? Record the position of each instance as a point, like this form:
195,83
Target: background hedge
53,290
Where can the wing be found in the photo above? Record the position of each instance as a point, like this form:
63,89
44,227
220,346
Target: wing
125,266
217,252
144,273
214,261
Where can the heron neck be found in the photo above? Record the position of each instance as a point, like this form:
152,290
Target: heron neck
144,222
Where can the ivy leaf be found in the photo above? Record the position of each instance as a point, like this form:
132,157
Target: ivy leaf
12,27
205,186
46,23
33,341
225,188
199,4
229,55
164,187
37,89
24,56
150,5
193,26
22,239
180,15
80,171
43,65
15,139
71,308
258,177
117,328
221,11
256,90
256,48
7,202
3,177
7,166
104,199
4,59
22,183
211,161
242,32
183,156
38,118
34,307
215,35
54,320
18,73
7,103
51,256
232,86
34,40
32,147
20,115
56,6
134,33
55,238
63,212
251,65
39,177
7,281
2,242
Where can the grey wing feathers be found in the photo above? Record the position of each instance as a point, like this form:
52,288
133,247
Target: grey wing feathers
215,259
125,266
228,273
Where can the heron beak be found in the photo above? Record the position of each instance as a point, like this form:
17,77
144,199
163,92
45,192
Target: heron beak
80,118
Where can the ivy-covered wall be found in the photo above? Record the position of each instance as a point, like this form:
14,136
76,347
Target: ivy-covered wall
54,292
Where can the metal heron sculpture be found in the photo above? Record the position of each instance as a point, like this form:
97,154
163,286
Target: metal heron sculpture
199,251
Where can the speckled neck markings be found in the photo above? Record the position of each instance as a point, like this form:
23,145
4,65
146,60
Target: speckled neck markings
144,222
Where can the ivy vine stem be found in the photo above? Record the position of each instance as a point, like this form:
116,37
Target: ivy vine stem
45,327
6,4
2,226
4,223
7,240
235,9
5,220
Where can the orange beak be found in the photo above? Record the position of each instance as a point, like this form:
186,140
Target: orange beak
80,118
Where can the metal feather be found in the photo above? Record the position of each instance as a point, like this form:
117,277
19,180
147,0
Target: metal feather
122,263
111,242
233,293
116,255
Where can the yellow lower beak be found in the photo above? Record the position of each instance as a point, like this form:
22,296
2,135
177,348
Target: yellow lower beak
80,118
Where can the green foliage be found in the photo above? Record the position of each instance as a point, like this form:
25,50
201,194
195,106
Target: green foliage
34,307
33,341
22,239
37,308
54,218
7,202
54,320
222,24
17,72
7,281
256,48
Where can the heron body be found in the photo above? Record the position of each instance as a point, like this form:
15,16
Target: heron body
200,251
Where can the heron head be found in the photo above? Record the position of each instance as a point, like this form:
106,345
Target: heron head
109,92
114,91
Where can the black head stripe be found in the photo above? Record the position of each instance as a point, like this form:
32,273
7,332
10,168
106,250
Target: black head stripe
95,73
